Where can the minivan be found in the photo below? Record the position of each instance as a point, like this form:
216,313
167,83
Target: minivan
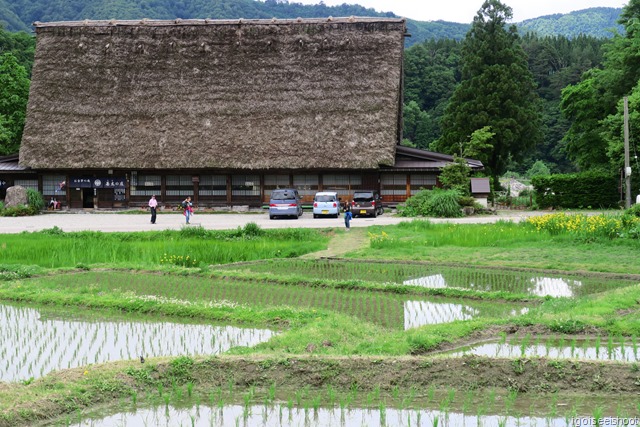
366,202
326,203
285,202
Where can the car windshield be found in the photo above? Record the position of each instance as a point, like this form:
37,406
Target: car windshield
363,197
325,198
283,195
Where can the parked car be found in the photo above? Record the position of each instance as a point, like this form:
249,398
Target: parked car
366,202
326,203
285,202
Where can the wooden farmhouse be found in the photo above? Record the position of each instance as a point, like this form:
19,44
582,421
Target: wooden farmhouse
223,111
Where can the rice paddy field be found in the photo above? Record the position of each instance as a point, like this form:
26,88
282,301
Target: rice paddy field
236,328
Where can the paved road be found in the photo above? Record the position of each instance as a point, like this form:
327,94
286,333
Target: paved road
80,221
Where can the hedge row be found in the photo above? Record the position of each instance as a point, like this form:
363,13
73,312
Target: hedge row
581,190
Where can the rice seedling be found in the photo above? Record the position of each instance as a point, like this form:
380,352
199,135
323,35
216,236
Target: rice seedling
431,393
190,388
597,414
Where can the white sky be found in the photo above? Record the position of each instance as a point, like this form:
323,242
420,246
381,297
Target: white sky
464,10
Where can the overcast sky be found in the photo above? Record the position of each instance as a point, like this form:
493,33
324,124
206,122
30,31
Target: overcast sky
464,10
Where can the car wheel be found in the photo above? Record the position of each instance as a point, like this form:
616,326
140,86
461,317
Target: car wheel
337,215
315,216
271,216
375,213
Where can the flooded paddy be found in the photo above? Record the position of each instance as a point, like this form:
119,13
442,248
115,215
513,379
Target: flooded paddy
391,310
450,408
280,415
597,348
34,342
435,276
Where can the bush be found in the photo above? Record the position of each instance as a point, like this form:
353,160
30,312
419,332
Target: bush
444,204
35,199
633,210
436,202
19,211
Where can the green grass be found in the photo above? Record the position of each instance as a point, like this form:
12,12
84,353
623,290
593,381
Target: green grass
503,244
55,249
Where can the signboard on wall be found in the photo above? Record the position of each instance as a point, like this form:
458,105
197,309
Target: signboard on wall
110,182
80,182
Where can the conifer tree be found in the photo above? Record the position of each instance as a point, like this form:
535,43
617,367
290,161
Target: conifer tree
497,90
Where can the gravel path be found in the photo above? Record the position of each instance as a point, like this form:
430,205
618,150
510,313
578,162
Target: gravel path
79,221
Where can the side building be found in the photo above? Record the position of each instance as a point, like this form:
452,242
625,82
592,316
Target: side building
223,111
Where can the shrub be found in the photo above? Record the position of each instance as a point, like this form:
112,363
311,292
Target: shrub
436,202
633,210
35,200
22,210
444,204
252,229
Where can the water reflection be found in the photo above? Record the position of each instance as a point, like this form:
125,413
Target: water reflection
577,351
420,313
554,287
540,286
280,415
30,347
435,281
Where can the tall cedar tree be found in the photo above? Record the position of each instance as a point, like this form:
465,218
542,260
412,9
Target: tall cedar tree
497,90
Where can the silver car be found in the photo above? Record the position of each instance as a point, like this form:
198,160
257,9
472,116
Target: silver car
285,202
326,203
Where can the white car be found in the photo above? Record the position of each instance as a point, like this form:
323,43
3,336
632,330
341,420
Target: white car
326,203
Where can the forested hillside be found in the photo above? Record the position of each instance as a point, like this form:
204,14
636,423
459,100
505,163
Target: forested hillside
18,15
595,22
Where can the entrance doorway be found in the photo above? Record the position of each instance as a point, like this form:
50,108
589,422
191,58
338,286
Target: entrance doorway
87,198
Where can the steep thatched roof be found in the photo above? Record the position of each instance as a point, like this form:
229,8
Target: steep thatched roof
255,94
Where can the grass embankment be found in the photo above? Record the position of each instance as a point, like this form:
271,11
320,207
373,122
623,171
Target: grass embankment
372,382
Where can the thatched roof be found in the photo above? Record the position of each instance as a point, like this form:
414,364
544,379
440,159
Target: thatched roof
255,94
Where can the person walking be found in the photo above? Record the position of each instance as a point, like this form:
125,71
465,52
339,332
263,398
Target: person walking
153,206
347,218
188,208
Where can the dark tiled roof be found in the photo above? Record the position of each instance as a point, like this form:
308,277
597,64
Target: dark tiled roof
10,163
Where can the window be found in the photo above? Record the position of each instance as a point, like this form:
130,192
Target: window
245,185
420,181
274,182
213,185
307,185
341,182
27,183
54,185
179,185
145,185
394,185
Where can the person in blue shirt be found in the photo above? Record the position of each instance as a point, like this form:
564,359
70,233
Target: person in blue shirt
347,218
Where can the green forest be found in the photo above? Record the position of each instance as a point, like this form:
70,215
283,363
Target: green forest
544,98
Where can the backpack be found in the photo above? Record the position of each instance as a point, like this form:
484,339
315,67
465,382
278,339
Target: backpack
183,204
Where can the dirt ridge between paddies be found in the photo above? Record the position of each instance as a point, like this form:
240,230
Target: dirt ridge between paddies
68,391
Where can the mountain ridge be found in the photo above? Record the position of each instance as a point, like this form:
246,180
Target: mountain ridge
18,15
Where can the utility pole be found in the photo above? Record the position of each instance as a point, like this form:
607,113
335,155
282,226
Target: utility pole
627,166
